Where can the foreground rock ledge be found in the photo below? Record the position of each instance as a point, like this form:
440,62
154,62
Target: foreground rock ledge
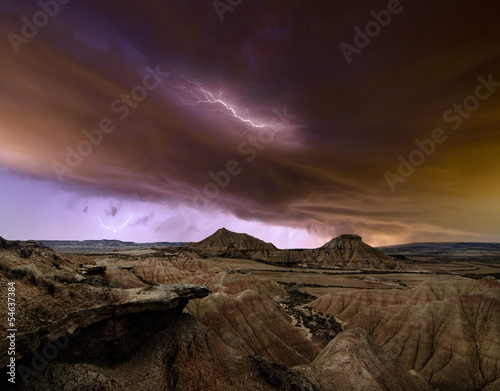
124,302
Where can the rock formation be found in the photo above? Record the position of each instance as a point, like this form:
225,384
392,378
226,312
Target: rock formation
82,336
448,331
352,361
345,252
168,352
224,241
255,325
349,251
242,309
81,331
127,302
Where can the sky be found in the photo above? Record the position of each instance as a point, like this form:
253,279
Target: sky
292,121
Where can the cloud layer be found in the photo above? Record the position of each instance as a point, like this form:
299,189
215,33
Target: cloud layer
259,117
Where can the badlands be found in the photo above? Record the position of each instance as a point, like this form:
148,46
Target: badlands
233,312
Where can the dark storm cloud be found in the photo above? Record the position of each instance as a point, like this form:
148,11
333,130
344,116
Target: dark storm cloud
325,171
143,220
112,210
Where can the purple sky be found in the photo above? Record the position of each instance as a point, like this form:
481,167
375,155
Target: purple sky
159,121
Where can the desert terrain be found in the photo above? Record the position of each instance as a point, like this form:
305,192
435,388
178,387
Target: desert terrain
233,312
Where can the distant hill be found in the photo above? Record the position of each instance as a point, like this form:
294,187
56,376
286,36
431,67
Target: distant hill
343,252
467,251
104,245
230,243
350,251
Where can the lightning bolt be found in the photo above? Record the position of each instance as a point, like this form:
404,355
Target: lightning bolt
112,228
193,93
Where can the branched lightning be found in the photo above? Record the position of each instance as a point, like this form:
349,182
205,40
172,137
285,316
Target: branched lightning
112,228
193,93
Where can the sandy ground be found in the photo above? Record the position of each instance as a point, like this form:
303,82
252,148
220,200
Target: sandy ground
319,282
342,281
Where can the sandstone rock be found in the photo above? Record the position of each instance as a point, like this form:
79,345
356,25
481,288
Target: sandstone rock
352,361
130,301
91,269
349,251
224,240
180,354
345,251
253,324
447,331
234,283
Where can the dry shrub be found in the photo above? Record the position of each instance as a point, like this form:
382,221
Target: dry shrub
5,265
26,270
25,252
64,277
33,273
48,284
19,272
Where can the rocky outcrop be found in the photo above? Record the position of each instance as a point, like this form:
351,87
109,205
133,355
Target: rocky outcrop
253,324
349,251
91,270
224,241
169,353
172,268
343,252
352,361
125,302
446,330
242,309
232,283
89,334
82,336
